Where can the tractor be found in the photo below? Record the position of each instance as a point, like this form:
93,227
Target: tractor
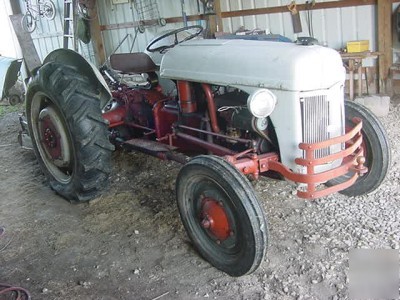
229,111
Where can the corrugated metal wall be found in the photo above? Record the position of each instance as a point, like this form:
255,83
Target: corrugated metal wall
11,47
125,13
332,27
48,34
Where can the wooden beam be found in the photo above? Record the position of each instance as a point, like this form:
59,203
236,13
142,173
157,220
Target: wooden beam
29,52
189,18
151,22
95,33
384,42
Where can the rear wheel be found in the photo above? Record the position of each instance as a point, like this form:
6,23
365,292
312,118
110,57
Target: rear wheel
376,151
222,215
69,136
28,22
14,99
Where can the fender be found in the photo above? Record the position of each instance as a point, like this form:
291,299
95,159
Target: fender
75,60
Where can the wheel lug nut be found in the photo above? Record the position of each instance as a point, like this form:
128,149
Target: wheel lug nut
205,224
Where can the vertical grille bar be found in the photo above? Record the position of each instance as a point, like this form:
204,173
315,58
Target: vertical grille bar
315,110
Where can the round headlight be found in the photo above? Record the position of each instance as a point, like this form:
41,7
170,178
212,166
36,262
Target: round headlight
261,103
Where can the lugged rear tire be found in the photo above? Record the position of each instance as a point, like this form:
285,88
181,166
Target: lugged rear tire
69,135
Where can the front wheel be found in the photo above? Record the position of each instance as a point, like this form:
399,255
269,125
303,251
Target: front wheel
69,135
49,10
376,151
222,215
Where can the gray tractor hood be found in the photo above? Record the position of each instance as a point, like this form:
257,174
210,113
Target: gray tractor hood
254,64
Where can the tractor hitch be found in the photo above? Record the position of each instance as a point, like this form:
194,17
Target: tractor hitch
23,136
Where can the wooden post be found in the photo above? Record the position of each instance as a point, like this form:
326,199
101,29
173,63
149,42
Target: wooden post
29,52
360,80
218,14
384,42
15,7
95,32
215,21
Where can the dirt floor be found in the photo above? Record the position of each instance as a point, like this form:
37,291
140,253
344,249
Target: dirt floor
130,244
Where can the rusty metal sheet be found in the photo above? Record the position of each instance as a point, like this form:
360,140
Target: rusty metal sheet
9,68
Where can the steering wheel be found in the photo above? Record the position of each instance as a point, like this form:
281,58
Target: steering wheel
175,34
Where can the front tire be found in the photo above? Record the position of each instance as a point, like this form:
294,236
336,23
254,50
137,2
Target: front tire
222,215
376,151
69,135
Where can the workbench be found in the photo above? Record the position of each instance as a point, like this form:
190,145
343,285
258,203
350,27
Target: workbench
353,64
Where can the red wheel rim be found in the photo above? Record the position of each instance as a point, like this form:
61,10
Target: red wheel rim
51,138
214,219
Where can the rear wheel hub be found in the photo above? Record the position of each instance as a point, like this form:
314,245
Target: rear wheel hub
53,137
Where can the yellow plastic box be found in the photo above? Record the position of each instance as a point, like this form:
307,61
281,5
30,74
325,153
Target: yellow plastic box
357,46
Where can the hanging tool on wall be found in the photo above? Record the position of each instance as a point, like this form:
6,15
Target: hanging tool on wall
184,16
208,6
209,12
309,16
148,14
198,7
83,23
295,17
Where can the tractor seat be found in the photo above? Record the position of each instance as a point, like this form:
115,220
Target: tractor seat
138,63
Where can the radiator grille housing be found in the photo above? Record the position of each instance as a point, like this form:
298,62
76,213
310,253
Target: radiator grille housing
316,120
